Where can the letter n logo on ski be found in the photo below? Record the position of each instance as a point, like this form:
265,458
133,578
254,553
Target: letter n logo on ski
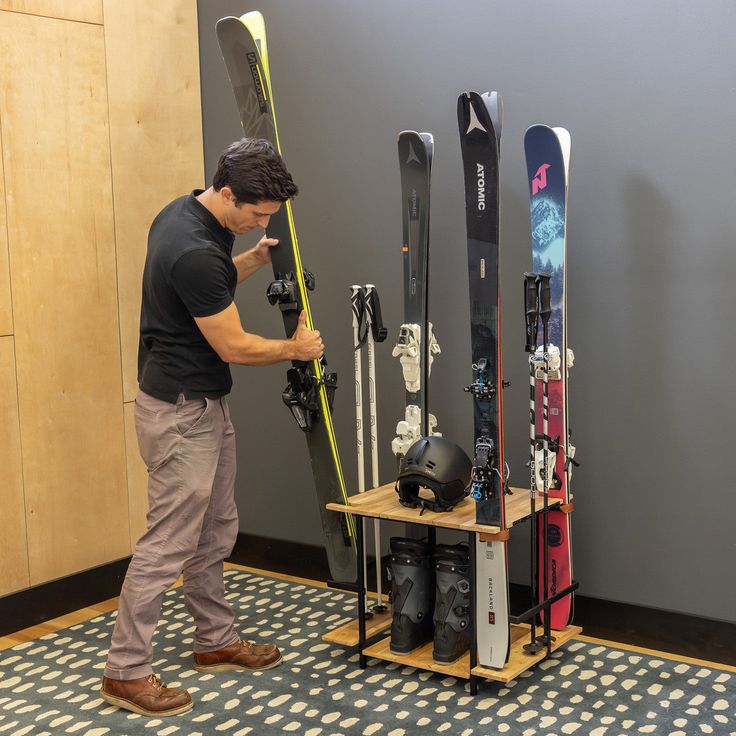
540,179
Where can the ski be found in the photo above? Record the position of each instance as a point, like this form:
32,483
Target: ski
416,346
479,122
548,160
310,387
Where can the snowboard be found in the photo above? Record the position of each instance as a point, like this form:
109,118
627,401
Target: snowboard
548,160
416,345
479,123
310,388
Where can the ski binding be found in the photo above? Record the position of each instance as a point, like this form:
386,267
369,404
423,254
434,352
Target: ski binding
409,430
408,350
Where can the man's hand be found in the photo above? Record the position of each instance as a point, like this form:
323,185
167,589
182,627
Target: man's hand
308,344
262,250
256,257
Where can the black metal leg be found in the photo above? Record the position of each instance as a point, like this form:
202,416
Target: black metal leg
361,591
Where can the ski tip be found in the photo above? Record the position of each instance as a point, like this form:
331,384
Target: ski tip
536,130
494,105
563,136
477,112
407,134
226,21
254,16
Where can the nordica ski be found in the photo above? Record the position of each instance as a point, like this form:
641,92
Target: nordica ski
310,388
548,161
479,122
416,346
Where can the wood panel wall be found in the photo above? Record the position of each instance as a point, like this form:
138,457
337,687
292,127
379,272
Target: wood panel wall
87,11
93,146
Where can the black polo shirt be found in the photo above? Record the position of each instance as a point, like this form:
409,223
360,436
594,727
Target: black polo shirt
189,273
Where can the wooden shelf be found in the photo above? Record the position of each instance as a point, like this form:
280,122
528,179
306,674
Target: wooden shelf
347,635
519,660
421,658
383,503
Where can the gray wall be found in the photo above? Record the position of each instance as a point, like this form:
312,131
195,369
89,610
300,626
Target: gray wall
647,93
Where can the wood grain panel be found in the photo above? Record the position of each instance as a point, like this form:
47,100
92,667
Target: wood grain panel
13,541
6,311
53,110
137,479
155,135
89,11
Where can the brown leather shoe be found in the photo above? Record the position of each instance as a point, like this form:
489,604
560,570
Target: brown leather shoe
147,696
242,655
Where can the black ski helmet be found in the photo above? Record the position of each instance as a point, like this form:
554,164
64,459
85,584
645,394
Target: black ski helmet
439,465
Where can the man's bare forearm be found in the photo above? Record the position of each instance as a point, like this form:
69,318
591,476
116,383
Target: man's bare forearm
256,350
247,264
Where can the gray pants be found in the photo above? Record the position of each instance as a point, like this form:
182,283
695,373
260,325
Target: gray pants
189,450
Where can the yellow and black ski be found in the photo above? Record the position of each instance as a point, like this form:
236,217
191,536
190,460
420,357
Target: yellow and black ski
310,387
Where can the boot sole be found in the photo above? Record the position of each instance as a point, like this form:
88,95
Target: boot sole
230,667
129,705
408,651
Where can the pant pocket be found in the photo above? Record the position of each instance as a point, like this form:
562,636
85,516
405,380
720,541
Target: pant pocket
154,440
190,414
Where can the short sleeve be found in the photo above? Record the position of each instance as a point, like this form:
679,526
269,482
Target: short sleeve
201,279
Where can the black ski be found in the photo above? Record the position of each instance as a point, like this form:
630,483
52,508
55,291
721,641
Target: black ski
479,122
416,344
310,388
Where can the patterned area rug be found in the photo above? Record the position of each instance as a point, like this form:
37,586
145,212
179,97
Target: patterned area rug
50,686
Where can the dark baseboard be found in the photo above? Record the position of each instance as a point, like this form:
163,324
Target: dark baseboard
59,597
666,631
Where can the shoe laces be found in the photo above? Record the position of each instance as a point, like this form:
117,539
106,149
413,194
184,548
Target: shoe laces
155,680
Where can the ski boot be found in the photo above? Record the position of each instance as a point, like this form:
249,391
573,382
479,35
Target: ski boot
412,594
452,628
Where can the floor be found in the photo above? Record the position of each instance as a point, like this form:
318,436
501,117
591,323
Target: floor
90,612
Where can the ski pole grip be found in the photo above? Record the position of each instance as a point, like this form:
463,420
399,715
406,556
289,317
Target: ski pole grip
360,323
530,310
373,306
545,296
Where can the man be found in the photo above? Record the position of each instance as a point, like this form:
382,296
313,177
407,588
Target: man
190,332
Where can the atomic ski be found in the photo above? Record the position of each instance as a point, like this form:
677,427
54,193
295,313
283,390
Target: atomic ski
479,122
548,161
416,346
310,388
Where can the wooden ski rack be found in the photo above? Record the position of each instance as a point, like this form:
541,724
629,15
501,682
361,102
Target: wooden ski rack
383,503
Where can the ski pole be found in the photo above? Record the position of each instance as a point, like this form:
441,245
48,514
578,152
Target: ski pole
376,333
360,329
545,311
531,314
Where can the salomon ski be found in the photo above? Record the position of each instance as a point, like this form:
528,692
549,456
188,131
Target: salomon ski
310,387
479,121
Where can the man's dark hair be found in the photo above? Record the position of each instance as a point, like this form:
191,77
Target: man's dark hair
255,172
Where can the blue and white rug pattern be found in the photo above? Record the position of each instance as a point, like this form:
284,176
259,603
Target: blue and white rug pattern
49,687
